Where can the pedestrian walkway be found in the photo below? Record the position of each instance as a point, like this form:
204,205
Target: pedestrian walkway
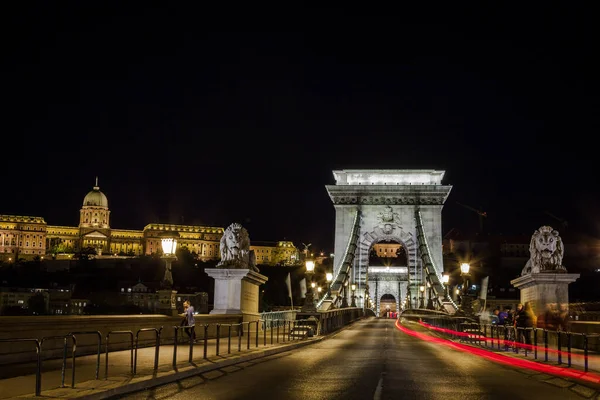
19,380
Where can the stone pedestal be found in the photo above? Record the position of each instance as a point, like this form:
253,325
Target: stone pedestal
236,291
543,288
166,299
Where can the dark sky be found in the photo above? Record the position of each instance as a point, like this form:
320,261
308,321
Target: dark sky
184,122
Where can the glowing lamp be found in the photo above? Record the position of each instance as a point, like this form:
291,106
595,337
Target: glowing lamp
446,278
464,268
312,285
422,288
319,289
329,276
310,266
169,245
353,287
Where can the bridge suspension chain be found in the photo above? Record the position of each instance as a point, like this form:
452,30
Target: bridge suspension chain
433,275
346,262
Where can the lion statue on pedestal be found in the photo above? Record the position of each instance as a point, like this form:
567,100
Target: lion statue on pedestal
546,252
235,249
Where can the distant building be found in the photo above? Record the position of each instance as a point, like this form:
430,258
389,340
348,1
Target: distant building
275,253
27,237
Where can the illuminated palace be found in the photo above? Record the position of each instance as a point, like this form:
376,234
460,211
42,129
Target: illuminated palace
29,237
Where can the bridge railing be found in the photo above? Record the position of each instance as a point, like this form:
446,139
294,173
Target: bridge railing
247,336
562,347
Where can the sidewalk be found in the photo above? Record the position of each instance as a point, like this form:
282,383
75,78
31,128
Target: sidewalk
121,381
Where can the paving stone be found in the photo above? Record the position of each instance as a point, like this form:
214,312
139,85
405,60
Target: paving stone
231,368
245,364
583,391
559,382
212,374
542,377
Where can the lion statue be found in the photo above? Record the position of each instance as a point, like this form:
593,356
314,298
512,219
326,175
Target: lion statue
235,249
546,252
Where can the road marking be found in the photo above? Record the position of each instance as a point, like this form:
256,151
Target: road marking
379,388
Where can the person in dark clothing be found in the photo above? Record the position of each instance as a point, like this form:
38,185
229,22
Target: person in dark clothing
524,321
188,320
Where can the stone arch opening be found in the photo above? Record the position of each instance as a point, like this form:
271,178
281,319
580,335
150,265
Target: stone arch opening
387,306
388,253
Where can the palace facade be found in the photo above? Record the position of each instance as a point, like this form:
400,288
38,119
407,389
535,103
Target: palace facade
28,237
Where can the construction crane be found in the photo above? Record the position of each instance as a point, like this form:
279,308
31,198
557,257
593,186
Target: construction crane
482,214
563,222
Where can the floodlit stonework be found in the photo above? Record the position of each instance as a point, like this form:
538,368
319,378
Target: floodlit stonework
386,202
28,237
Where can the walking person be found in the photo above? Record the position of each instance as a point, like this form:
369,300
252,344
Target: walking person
524,321
188,320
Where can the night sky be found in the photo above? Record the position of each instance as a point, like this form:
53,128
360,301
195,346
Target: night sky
186,123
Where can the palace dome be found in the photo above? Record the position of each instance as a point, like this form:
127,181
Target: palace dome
95,198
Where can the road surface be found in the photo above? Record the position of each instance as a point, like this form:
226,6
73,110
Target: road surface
370,359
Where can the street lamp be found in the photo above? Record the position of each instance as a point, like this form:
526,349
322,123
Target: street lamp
329,276
422,290
429,297
445,281
309,302
169,247
353,288
465,306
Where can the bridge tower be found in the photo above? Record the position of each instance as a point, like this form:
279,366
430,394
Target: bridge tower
399,206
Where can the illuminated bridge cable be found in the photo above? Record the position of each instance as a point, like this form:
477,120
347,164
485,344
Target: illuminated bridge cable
433,275
337,283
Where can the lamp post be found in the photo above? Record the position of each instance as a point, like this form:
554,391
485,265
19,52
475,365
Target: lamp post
430,305
353,288
169,246
464,272
167,294
422,298
309,302
445,281
345,295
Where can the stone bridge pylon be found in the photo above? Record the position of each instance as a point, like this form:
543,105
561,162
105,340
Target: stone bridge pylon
387,206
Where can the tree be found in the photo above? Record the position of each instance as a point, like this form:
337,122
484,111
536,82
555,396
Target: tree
86,253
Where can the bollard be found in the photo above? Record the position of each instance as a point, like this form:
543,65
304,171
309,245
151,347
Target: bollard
248,337
175,333
218,338
205,341
271,332
192,336
535,343
229,340
585,352
559,346
546,345
257,321
569,349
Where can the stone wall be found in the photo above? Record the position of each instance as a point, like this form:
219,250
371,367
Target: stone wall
47,326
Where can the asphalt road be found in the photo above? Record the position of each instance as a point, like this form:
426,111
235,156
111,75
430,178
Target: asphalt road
368,360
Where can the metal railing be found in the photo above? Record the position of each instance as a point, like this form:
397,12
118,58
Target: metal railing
130,333
74,351
249,333
562,347
38,370
156,350
64,360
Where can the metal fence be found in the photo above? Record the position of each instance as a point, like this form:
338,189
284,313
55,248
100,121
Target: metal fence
560,347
